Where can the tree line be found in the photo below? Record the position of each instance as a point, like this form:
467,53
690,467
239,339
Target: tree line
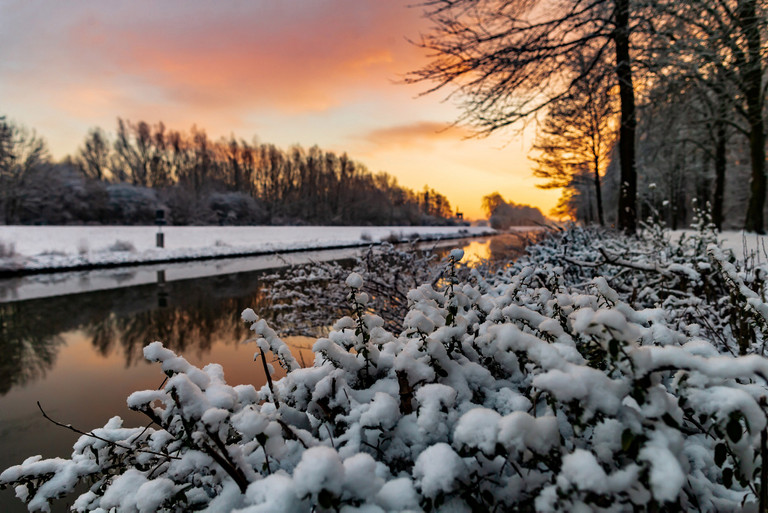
641,106
502,213
126,178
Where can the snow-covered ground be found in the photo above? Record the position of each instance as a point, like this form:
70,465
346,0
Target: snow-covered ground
62,247
740,242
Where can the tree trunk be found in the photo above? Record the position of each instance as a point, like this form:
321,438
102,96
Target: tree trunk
720,163
628,188
753,95
598,194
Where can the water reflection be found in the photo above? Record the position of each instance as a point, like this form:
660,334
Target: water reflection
189,316
81,355
28,348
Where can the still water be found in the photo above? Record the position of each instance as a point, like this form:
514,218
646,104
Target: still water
80,354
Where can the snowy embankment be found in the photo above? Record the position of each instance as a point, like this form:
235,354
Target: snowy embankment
599,373
25,249
742,244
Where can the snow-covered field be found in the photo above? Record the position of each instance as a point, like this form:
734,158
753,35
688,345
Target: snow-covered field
740,242
61,247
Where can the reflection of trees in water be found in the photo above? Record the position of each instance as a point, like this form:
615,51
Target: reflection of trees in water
508,247
184,328
193,315
187,316
196,314
27,350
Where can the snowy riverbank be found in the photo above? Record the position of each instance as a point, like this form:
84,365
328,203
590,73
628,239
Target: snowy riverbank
25,249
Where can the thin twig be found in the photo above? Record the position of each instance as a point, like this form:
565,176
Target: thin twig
110,442
330,435
151,421
269,379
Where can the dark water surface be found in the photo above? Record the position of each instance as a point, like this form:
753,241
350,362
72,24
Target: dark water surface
80,354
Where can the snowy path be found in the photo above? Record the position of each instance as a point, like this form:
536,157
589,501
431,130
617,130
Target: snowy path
29,249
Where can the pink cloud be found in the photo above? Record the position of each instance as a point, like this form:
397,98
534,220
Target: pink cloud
291,56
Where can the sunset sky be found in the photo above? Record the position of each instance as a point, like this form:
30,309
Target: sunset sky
325,72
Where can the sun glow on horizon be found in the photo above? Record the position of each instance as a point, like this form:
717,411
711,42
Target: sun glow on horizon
274,73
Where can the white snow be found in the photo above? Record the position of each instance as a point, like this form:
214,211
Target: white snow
273,493
437,468
479,428
398,495
360,479
60,247
582,469
518,432
667,476
320,469
354,281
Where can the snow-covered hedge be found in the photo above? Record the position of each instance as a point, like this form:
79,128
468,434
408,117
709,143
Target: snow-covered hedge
600,373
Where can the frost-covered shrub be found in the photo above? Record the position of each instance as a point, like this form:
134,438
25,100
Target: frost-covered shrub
131,204
308,298
236,208
580,379
7,249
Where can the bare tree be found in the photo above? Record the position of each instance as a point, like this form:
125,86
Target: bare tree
719,42
510,59
21,152
93,158
576,138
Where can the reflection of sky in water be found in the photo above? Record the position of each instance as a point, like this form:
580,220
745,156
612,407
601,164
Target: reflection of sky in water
80,355
477,251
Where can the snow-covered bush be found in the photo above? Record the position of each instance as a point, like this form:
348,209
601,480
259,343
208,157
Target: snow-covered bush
237,208
597,374
132,204
121,245
308,298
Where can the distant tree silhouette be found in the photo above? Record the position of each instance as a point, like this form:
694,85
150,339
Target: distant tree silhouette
21,153
93,157
503,214
198,180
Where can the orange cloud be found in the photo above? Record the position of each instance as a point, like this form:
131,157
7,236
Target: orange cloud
415,135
